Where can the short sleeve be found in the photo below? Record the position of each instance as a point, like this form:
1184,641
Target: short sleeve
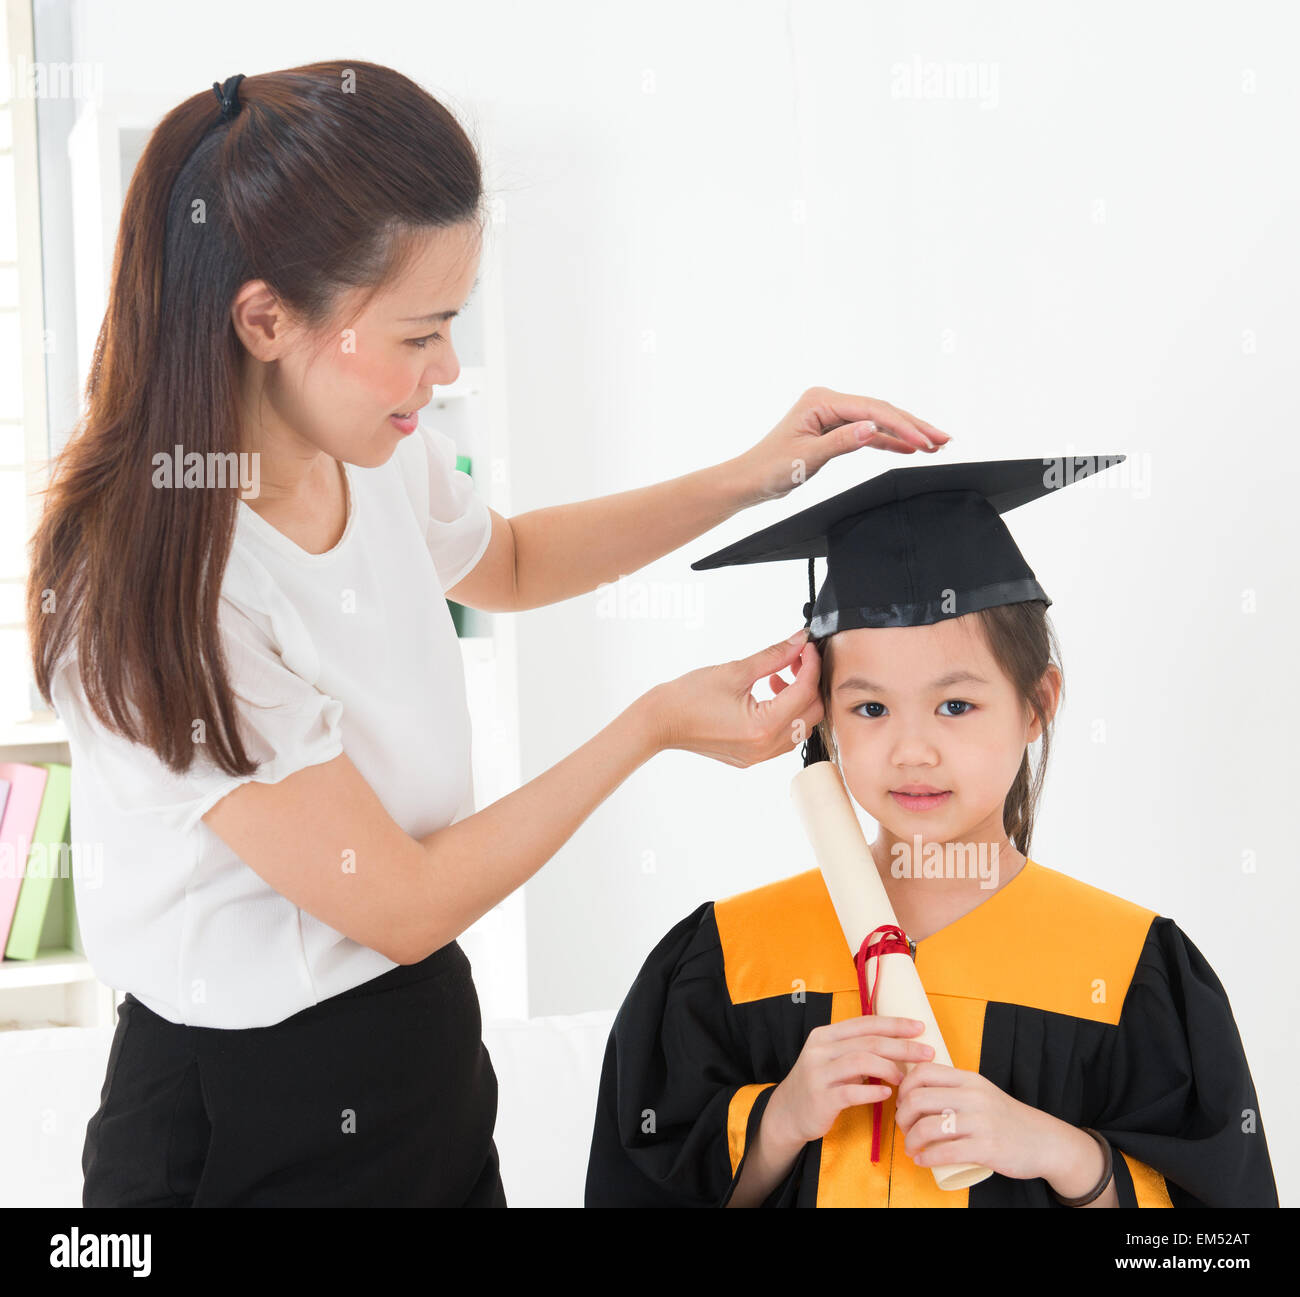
457,523
286,723
677,1106
1181,1106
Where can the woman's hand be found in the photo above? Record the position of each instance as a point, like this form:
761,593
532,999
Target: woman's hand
712,711
830,1074
949,1115
824,424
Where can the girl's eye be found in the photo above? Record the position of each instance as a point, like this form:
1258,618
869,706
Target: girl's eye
951,702
421,342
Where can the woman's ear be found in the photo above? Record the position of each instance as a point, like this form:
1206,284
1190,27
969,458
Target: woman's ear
260,320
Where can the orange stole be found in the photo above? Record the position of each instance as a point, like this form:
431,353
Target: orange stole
785,937
1148,1184
849,1178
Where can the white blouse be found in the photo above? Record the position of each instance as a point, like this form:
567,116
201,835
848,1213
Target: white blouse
354,650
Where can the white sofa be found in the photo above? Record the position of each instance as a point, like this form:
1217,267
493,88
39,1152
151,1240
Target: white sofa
547,1068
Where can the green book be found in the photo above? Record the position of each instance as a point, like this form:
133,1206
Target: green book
44,860
458,611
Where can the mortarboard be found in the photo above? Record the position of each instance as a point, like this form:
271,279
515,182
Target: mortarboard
913,546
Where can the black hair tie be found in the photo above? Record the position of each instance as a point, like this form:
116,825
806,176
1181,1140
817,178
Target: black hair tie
228,96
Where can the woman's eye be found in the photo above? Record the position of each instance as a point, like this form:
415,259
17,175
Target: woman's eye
422,342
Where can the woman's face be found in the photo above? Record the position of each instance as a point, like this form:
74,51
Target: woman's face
339,393
928,706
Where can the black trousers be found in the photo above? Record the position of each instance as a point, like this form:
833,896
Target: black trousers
383,1096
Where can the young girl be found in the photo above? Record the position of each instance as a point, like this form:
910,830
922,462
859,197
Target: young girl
1095,1056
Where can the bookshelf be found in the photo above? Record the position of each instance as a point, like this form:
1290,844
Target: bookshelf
58,987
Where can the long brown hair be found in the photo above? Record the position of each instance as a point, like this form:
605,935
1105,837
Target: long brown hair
1023,642
321,183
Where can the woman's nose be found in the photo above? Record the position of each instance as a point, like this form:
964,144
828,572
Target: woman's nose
444,370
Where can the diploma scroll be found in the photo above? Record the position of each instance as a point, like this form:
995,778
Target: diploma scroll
862,905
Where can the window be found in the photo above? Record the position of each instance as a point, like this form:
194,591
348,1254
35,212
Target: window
24,439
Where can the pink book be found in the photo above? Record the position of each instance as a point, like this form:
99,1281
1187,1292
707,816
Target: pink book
27,787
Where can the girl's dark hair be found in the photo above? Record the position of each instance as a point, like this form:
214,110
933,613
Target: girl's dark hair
322,184
1023,642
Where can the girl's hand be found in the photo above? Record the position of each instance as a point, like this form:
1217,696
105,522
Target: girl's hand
821,425
712,711
949,1115
830,1073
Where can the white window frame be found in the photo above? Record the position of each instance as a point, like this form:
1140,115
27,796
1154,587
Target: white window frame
19,53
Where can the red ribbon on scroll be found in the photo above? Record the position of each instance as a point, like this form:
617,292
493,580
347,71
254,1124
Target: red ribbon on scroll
888,939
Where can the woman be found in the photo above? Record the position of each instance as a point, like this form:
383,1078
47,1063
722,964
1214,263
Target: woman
264,695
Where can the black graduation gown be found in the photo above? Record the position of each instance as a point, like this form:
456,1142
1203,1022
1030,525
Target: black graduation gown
1068,998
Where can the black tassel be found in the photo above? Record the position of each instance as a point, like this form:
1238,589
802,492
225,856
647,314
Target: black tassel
814,749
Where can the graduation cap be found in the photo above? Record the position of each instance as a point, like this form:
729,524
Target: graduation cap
914,546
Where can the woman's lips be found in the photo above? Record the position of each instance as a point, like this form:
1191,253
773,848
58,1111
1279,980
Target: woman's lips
920,801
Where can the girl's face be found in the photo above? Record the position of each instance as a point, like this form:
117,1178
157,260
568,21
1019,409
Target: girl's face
928,706
339,394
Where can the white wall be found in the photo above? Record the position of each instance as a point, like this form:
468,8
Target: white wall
1094,253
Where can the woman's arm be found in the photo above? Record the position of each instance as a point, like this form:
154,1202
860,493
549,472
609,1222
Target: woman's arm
323,839
566,550
548,555
570,549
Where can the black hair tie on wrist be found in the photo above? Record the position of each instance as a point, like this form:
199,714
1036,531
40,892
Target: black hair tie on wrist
1107,1172
228,96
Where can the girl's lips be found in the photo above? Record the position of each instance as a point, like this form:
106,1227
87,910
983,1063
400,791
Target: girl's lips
405,426
921,801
